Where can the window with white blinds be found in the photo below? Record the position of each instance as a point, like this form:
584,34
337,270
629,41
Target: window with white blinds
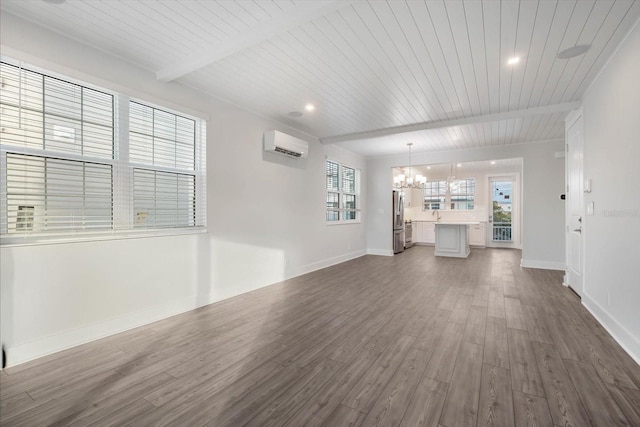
65,171
160,138
164,199
343,193
45,193
164,190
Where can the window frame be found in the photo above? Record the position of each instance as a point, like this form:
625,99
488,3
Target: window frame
441,197
466,197
448,201
343,194
193,171
122,171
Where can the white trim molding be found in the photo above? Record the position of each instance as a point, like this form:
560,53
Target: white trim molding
380,252
299,271
544,265
627,340
25,352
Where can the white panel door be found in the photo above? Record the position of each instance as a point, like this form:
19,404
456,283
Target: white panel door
575,203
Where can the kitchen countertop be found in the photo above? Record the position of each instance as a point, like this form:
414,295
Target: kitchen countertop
457,222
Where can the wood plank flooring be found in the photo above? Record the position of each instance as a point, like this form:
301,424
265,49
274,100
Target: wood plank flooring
388,341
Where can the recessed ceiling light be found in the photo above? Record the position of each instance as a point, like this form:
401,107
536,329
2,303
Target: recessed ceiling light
459,165
295,114
309,107
428,167
514,60
493,162
573,51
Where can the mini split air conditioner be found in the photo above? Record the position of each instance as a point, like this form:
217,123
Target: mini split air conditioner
281,143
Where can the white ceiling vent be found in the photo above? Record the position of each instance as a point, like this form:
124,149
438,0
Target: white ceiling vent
281,143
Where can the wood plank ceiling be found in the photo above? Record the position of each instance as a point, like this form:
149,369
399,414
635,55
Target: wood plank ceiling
380,73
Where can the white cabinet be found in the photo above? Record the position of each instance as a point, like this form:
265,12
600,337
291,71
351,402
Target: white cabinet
417,231
452,240
408,197
424,232
429,232
478,235
412,198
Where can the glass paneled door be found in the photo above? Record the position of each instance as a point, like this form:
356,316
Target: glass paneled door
502,211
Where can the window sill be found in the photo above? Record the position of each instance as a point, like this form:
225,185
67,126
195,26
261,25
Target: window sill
8,241
332,223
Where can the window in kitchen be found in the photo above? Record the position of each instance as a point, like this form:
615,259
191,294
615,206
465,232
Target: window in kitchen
462,193
435,193
343,193
83,162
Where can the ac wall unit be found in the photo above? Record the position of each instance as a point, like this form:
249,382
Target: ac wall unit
281,143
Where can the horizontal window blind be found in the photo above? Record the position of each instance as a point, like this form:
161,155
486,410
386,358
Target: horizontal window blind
70,164
42,112
348,179
164,199
164,193
51,195
332,176
350,207
349,197
333,206
333,187
342,203
160,138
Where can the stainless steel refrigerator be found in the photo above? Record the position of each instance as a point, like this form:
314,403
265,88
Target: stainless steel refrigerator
398,222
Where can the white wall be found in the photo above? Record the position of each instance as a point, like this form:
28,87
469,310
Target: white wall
266,221
611,113
542,183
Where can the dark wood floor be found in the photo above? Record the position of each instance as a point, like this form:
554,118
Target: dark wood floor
407,340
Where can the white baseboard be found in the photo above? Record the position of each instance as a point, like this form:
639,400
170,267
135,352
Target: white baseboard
299,271
545,265
25,352
629,342
380,252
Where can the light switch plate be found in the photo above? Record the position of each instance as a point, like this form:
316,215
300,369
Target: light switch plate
590,208
587,186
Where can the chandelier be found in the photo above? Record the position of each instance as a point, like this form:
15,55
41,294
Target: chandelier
403,181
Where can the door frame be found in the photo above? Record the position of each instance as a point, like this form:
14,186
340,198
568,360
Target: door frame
516,211
576,283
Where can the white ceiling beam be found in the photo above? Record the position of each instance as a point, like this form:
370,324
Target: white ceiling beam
304,11
548,109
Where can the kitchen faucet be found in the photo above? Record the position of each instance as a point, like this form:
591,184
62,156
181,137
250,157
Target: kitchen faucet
436,212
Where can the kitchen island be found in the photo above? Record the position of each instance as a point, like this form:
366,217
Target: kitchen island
452,239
